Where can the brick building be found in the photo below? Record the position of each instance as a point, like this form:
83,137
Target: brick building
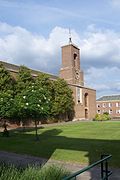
84,97
110,104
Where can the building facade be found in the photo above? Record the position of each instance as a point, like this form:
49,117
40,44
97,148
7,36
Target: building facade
110,104
84,97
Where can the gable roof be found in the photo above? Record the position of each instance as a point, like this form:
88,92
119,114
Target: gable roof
109,98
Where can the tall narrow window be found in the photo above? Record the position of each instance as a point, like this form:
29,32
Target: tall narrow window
75,58
110,104
104,105
117,104
79,95
86,113
110,111
86,99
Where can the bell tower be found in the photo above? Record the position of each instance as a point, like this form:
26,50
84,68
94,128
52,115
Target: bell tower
70,70
84,97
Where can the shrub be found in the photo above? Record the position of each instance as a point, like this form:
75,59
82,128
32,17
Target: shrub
102,117
51,172
9,172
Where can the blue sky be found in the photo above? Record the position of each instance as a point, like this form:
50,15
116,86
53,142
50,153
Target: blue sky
32,32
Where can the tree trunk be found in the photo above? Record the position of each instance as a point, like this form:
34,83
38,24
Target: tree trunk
5,132
36,131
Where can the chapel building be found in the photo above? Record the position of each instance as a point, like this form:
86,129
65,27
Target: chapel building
84,97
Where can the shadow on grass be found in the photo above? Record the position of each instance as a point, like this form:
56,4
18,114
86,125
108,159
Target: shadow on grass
52,143
24,129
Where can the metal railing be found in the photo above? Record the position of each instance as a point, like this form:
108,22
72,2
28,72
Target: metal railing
105,173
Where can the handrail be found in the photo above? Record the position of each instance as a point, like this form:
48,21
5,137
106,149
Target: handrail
108,173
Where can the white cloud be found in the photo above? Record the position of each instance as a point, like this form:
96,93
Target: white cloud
115,3
104,80
102,47
100,53
98,48
17,45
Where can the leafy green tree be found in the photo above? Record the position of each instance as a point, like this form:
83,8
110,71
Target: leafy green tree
35,99
6,104
6,80
62,103
44,80
24,79
19,110
7,85
34,103
24,74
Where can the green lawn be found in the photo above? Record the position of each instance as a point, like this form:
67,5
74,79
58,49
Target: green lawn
81,142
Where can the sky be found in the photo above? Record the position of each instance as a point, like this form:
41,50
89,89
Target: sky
33,31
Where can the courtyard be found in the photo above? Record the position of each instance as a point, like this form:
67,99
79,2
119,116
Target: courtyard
78,142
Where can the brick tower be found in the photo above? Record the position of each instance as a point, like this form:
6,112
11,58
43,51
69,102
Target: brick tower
84,97
70,70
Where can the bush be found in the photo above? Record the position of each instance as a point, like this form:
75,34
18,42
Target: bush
51,172
102,117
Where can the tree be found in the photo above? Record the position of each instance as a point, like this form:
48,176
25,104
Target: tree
44,80
63,104
6,104
6,80
35,99
34,103
19,110
24,79
7,84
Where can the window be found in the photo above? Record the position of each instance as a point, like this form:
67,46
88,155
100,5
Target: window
109,104
74,57
110,111
118,104
79,95
104,105
86,99
98,105
103,111
118,111
98,111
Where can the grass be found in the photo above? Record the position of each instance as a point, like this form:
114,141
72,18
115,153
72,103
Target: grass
81,142
51,172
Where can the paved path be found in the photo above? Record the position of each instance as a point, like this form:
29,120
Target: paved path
24,160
